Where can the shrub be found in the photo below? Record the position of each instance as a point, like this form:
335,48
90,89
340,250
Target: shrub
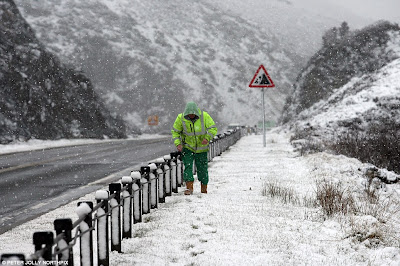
333,198
378,145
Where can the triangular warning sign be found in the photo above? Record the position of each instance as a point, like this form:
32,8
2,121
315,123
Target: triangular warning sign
261,79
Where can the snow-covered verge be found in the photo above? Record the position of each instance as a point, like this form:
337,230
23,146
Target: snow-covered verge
237,224
37,144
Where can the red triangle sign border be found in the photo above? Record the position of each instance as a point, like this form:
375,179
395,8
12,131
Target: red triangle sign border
271,83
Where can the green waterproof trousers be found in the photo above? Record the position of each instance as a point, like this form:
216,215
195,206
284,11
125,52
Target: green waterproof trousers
201,161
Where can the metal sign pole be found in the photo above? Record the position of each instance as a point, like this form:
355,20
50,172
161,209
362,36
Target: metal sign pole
262,80
263,107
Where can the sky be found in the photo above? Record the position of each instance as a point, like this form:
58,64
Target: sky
376,10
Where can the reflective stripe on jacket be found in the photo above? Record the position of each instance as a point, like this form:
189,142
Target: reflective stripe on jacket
190,134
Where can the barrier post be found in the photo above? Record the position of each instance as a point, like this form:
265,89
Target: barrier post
115,188
167,175
145,171
103,248
127,199
179,168
44,241
153,186
137,197
173,165
64,226
86,233
161,181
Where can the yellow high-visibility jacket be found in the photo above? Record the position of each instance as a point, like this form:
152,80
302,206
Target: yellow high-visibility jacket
190,133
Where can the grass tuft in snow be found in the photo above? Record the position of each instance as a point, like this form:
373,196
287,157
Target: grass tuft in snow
285,194
333,198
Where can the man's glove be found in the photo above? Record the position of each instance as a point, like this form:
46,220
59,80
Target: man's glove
179,147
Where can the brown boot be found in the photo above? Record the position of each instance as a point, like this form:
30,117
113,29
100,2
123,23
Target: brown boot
203,188
189,188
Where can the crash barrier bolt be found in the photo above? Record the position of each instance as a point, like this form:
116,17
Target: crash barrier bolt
153,186
174,178
115,188
137,197
127,199
12,259
43,242
103,248
134,199
85,232
64,226
145,171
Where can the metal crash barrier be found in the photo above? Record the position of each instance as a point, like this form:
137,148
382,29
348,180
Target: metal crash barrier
114,212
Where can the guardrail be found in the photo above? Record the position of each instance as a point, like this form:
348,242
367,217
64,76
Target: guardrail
116,211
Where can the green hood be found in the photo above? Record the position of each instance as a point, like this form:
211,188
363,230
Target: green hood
191,108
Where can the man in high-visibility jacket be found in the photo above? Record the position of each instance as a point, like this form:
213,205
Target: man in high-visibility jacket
192,131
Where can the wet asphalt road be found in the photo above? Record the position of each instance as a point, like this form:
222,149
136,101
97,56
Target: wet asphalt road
35,182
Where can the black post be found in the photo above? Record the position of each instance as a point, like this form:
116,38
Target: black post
173,163
44,241
127,207
86,240
161,182
167,175
115,188
153,178
179,168
145,181
103,248
137,197
64,226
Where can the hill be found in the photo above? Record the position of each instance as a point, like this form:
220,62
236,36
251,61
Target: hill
150,57
348,97
40,97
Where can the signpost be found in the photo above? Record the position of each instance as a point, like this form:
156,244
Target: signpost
262,80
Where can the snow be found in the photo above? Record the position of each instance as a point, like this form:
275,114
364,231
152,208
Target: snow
145,193
126,210
355,98
85,244
114,221
83,210
126,180
102,232
235,224
36,144
153,187
135,175
136,201
101,195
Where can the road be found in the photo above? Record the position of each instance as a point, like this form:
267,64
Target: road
35,182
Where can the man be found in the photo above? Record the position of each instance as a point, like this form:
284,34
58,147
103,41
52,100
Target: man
192,131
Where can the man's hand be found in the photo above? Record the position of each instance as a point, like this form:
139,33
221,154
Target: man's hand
179,147
204,142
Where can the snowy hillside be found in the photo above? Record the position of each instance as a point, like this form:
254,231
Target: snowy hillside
370,97
149,57
345,55
39,96
360,119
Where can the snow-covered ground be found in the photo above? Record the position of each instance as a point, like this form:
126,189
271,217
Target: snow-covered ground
235,224
37,144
